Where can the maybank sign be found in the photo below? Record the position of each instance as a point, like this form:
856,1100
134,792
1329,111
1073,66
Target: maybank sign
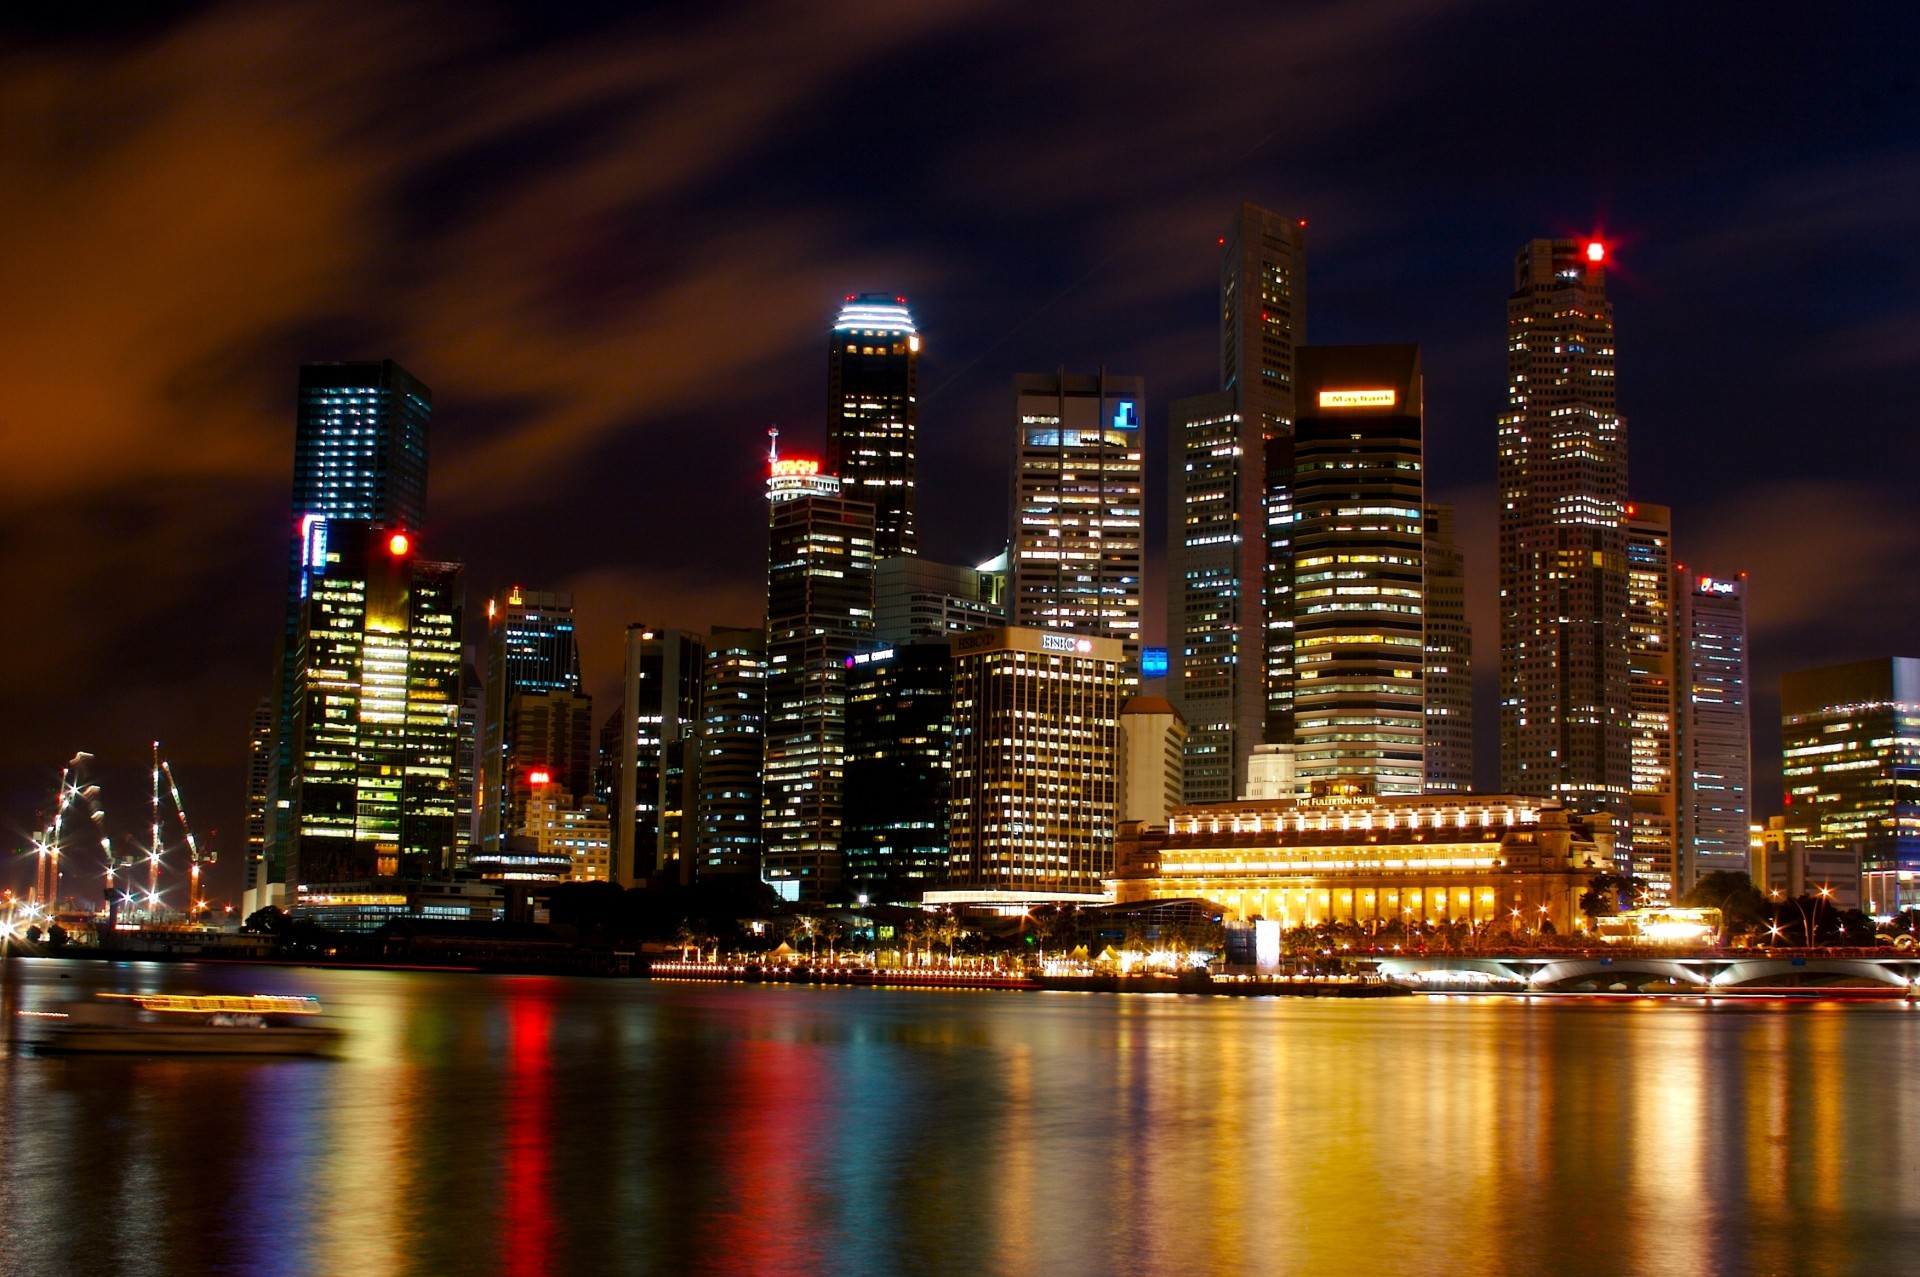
1359,398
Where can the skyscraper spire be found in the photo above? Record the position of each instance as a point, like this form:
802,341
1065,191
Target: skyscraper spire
873,413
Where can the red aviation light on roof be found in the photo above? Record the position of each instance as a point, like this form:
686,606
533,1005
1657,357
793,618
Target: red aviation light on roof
398,544
1596,251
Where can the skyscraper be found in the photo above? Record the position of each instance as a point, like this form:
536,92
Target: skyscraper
1152,760
1263,319
1359,631
1076,530
1850,737
1716,725
531,653
733,704
1035,765
1653,643
260,744
1564,713
656,814
819,612
873,386
376,679
359,454
915,597
1449,680
899,769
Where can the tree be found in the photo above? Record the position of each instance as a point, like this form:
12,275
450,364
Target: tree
57,936
1742,906
269,921
1605,895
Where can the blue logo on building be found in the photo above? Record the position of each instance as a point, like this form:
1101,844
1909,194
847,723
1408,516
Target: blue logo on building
1153,662
1124,416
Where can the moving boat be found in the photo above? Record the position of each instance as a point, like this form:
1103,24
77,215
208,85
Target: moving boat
190,1024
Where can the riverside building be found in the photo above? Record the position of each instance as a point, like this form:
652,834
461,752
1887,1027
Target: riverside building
1716,724
733,709
1449,648
899,770
1652,695
658,793
873,385
1486,860
538,718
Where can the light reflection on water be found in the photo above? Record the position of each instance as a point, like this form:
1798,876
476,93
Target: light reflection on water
538,1125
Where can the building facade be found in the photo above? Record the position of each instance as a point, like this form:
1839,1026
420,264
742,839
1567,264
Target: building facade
260,747
359,455
1153,763
1035,765
914,598
531,653
1449,648
899,770
1653,638
1850,744
577,830
1716,724
1495,861
819,612
657,810
1359,627
1564,700
873,387
376,675
733,708
1077,536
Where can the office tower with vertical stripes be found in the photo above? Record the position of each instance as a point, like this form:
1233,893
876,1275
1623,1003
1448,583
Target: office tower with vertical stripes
1449,679
819,612
656,813
1565,719
733,707
1716,724
873,426
1653,641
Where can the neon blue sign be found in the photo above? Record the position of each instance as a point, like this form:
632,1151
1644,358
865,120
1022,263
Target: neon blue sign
1125,416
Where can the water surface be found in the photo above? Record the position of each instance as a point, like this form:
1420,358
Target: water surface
524,1125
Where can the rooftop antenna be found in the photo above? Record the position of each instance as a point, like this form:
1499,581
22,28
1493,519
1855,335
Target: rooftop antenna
773,445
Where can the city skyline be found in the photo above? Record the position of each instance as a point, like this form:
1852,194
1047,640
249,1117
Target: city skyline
172,547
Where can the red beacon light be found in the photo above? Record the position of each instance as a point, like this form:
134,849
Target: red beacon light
398,544
1596,251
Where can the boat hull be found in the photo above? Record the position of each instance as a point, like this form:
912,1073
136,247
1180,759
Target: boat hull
189,1040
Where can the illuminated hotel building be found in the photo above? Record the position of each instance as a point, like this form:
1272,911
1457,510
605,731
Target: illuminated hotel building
1565,718
1076,532
1850,737
915,597
733,709
537,717
1496,860
376,709
819,612
359,454
899,769
1359,631
576,830
657,808
1651,693
873,384
1449,646
1716,724
1035,765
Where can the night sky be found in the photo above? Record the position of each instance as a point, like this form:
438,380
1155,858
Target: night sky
612,243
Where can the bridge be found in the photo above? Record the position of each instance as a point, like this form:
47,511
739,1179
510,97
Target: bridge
1646,971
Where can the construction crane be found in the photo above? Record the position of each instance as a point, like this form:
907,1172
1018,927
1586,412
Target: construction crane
194,857
79,796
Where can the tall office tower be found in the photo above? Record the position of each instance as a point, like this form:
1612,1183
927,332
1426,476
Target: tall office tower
1564,703
259,775
1216,623
606,759
1449,659
473,709
550,732
899,771
530,651
1152,762
1716,725
1359,629
1076,533
1035,765
819,612
873,386
376,709
733,705
1263,319
1652,640
915,597
659,756
359,453
1850,744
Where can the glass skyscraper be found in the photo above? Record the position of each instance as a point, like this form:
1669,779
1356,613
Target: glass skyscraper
537,717
899,769
359,454
873,385
733,708
1716,724
1562,475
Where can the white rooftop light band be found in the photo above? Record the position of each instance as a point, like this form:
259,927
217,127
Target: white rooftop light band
874,315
